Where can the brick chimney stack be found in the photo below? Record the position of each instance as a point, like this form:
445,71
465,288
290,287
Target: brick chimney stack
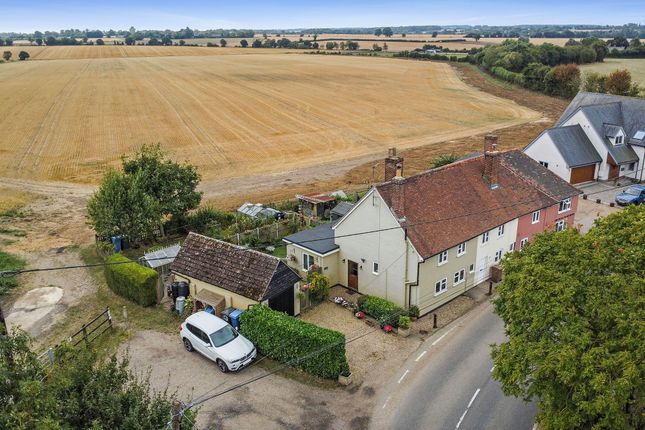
491,162
398,197
393,165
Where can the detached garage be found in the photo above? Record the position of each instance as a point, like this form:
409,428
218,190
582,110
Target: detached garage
567,152
241,277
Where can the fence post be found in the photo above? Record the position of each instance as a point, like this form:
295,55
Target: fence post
434,320
84,328
50,355
109,316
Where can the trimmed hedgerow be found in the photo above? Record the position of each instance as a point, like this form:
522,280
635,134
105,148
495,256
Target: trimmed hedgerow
384,311
132,281
314,349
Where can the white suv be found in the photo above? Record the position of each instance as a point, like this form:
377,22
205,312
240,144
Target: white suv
217,340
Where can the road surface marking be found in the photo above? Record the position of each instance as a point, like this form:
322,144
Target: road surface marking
442,336
472,399
461,419
421,355
492,368
404,374
386,400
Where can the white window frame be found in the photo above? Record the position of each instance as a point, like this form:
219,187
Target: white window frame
523,242
535,217
442,258
471,269
619,139
545,164
459,277
511,247
307,257
461,249
500,230
441,286
498,255
375,267
566,204
485,237
561,225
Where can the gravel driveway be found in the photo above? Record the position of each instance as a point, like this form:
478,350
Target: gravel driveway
275,402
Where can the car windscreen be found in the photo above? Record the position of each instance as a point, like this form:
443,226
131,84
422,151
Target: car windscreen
223,336
633,191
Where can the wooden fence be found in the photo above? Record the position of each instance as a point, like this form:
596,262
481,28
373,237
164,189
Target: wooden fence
87,334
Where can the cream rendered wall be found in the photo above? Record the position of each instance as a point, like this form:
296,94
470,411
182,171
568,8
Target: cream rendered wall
430,272
389,249
232,299
579,117
543,149
328,263
486,251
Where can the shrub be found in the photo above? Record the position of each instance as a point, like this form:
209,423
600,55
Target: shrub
9,262
319,286
414,311
314,349
132,281
384,311
404,321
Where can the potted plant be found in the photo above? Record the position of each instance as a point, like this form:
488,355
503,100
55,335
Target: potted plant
404,326
413,312
345,377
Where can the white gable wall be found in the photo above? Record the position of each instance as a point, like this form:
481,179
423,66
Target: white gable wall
544,150
389,249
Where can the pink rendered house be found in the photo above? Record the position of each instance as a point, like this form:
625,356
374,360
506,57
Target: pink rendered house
556,217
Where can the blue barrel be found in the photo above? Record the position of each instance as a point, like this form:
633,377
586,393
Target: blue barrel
116,241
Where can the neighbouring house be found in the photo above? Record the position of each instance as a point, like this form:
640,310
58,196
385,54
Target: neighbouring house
259,211
425,239
217,270
316,205
598,137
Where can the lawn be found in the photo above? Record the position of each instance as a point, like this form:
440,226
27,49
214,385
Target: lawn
635,65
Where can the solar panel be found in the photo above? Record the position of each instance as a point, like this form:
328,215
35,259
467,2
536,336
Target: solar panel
640,134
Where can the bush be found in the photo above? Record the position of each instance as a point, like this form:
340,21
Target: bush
9,262
414,311
384,311
404,322
290,340
132,281
319,286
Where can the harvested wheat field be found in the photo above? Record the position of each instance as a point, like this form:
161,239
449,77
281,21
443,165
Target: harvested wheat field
231,115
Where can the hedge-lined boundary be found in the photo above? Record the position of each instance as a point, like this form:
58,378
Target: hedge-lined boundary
318,350
384,311
132,281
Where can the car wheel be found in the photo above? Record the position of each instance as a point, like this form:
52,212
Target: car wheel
222,366
188,345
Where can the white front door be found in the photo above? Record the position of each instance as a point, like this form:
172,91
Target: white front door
482,268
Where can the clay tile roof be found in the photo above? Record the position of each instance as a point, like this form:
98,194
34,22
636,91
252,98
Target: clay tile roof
452,204
242,271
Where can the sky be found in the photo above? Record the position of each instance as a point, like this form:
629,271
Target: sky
23,16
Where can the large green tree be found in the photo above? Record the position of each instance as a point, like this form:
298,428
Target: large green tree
574,312
172,185
122,207
77,392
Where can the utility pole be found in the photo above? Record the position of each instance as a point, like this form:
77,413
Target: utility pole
176,418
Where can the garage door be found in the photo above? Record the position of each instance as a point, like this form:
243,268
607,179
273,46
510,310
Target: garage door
582,174
283,302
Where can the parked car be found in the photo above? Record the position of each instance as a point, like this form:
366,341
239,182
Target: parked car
217,340
632,195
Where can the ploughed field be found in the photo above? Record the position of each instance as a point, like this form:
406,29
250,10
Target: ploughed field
230,115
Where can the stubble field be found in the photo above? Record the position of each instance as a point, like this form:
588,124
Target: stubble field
230,115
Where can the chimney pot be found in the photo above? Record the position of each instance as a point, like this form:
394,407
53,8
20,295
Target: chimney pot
490,143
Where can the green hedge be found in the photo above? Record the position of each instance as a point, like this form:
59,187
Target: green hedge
285,338
132,281
384,311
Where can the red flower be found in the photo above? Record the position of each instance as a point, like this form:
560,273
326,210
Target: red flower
360,315
305,287
387,328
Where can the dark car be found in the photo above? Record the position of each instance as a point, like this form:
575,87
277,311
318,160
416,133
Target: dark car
632,195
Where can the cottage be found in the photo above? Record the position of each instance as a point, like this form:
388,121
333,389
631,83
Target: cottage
217,270
425,239
598,137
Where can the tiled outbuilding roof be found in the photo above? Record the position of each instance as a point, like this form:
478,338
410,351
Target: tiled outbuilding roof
246,272
444,207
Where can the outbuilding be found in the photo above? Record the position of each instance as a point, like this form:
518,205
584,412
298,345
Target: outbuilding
217,270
